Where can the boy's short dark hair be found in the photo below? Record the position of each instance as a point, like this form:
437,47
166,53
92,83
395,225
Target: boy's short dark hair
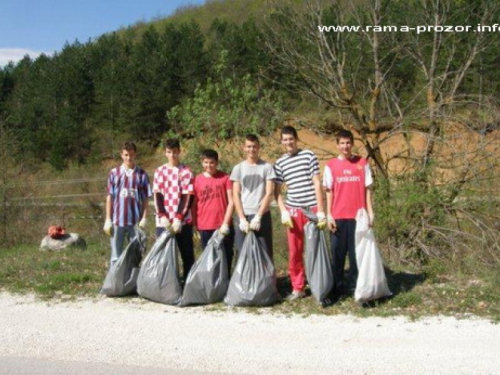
290,130
252,138
172,143
209,154
129,146
344,133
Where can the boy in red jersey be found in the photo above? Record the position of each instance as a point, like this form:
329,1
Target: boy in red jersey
348,181
213,206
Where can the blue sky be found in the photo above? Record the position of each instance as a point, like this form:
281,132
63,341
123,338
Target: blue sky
44,26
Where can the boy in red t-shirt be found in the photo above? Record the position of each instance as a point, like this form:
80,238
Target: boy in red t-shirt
347,180
213,205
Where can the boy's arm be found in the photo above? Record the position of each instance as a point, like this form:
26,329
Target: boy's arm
230,208
279,198
108,223
238,206
369,204
268,198
329,199
318,192
109,207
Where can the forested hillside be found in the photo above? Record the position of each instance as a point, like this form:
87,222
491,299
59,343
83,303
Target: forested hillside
231,67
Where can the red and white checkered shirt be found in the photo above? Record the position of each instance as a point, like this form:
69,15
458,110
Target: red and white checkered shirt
173,182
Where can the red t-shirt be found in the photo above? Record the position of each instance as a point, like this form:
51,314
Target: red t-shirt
348,183
211,199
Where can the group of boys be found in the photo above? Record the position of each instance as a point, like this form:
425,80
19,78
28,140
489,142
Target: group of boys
209,200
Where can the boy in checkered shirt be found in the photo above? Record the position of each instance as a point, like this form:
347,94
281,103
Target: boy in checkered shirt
173,195
127,200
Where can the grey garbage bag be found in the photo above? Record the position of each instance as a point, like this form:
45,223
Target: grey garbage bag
318,262
121,279
372,283
253,282
159,275
208,279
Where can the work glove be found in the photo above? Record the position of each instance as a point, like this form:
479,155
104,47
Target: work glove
244,226
255,223
177,225
143,223
286,219
165,223
108,227
321,220
224,229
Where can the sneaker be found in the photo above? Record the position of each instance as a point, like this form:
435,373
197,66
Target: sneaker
296,294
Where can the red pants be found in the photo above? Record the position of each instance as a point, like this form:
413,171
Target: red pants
296,248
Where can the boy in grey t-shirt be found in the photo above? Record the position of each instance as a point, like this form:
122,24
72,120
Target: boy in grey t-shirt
253,190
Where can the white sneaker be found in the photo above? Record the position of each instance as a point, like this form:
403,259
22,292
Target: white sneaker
296,294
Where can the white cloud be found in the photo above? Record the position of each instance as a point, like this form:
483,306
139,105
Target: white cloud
16,54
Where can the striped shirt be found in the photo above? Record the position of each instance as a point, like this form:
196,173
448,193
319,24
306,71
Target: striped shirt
129,189
297,171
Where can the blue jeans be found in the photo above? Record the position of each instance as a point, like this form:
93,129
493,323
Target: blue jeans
264,235
118,238
184,241
228,244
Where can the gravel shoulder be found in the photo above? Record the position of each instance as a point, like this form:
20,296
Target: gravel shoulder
135,332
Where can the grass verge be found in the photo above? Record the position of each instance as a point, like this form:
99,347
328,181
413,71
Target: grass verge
432,290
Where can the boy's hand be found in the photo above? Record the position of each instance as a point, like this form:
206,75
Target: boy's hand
224,229
143,223
255,223
165,223
371,218
108,226
244,226
321,220
286,219
332,225
177,225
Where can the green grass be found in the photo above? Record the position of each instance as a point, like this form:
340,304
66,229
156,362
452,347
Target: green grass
72,272
436,289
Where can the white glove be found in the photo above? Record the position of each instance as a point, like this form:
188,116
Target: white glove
244,226
321,220
143,223
108,226
286,219
224,229
165,223
255,223
177,225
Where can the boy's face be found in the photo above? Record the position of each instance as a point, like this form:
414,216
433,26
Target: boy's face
209,165
172,155
128,157
344,147
290,143
251,149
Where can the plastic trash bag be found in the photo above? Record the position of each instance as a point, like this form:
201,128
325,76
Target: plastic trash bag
208,279
372,283
318,262
159,275
121,279
253,282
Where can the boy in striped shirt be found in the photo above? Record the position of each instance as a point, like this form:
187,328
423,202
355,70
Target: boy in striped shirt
299,171
127,200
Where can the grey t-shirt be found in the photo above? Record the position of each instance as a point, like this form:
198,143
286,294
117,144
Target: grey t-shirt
252,179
